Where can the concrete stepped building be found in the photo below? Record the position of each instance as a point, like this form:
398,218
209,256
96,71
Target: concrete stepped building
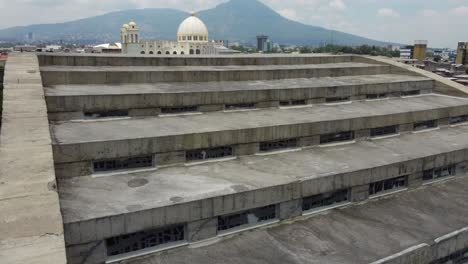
255,159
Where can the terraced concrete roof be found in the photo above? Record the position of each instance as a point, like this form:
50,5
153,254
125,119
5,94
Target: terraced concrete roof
85,198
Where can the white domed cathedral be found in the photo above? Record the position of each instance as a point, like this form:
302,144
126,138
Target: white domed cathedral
192,39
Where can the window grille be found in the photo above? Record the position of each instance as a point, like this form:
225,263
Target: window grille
293,102
105,114
179,110
212,153
277,145
250,217
384,131
387,185
376,96
438,173
142,240
411,93
459,257
418,126
325,199
338,99
458,120
337,137
123,164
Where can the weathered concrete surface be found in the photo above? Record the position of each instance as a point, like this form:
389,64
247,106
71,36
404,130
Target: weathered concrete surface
31,228
55,75
68,98
308,172
442,85
357,234
48,59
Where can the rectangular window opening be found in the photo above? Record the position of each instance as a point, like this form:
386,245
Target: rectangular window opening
459,257
458,120
179,110
247,218
106,114
233,107
278,145
438,173
337,137
293,103
143,240
411,93
332,100
419,126
325,200
207,154
123,164
376,96
385,131
387,185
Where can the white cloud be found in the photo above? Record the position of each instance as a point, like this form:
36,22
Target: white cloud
337,4
289,13
387,12
460,11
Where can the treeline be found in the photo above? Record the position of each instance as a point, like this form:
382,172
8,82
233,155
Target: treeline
361,50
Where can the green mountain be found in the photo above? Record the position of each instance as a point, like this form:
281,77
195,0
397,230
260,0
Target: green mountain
236,20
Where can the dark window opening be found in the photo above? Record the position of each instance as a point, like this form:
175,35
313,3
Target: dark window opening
325,199
142,52
142,240
179,110
377,96
387,185
293,102
250,217
192,52
212,153
384,131
198,52
438,173
167,53
104,114
338,99
277,145
151,52
239,106
411,93
337,137
418,126
459,257
123,164
458,120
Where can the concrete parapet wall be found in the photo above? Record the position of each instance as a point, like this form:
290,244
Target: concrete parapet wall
46,59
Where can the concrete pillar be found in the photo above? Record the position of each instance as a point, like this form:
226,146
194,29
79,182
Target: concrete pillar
91,253
65,116
211,108
75,169
168,158
359,193
358,97
362,134
290,209
444,122
202,229
268,104
309,141
406,128
144,112
415,180
247,149
316,101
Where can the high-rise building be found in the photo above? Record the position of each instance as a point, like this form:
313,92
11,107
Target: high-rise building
462,53
262,43
420,50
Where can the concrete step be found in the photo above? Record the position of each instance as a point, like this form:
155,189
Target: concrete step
50,59
56,75
79,146
66,102
98,208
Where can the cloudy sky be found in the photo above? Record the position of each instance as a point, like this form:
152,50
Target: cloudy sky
442,22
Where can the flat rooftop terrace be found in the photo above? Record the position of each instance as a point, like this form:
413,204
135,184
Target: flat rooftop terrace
200,87
151,127
360,233
85,198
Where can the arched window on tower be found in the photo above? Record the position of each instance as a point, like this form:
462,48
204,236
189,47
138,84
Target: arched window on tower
167,52
159,52
131,38
125,39
136,38
182,52
151,52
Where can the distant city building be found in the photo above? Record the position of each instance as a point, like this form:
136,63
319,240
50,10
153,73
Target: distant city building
420,50
407,52
30,37
192,38
393,47
262,45
53,48
26,48
108,48
462,53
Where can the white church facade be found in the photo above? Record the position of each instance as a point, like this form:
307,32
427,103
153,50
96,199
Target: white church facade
192,39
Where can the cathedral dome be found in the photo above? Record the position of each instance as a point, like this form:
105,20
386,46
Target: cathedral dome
192,29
